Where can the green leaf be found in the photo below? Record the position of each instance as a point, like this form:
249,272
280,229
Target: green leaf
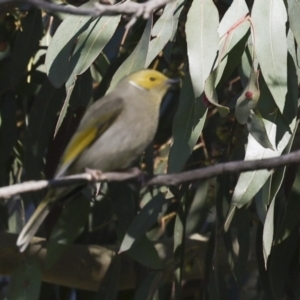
69,88
269,19
69,226
147,217
257,129
79,93
211,93
250,183
26,44
202,41
144,252
268,232
294,51
293,13
91,42
25,282
248,99
186,129
149,286
136,60
234,24
61,46
42,118
163,30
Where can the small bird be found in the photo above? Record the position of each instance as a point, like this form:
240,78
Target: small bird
113,132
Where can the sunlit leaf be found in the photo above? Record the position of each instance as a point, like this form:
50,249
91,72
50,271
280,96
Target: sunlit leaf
163,30
62,43
202,41
248,99
269,19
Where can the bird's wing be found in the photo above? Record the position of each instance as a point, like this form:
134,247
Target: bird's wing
95,122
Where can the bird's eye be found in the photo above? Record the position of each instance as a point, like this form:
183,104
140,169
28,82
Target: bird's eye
152,78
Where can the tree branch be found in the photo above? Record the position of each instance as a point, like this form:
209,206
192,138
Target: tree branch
126,8
169,179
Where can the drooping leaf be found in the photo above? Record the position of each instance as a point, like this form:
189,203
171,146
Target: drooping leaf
61,46
147,217
27,39
69,226
269,19
144,252
41,124
293,14
136,59
250,183
257,129
163,30
248,99
186,130
202,41
233,27
268,232
91,43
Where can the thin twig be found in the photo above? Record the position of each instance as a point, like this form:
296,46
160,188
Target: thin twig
169,179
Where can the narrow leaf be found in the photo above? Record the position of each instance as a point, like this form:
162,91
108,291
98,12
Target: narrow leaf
163,30
202,41
136,59
62,43
186,130
269,19
147,217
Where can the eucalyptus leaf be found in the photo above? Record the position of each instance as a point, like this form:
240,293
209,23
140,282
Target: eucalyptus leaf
248,99
257,129
269,19
163,30
186,130
202,41
136,59
147,217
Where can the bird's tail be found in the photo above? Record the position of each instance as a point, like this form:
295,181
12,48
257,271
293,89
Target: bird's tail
35,221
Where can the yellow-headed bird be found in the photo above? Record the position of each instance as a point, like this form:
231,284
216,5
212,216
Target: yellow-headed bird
114,131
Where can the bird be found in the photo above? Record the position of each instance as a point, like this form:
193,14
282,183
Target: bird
114,131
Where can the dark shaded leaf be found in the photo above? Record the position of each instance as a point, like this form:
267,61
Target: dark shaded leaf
28,40
25,282
147,217
69,226
257,129
186,129
149,286
136,59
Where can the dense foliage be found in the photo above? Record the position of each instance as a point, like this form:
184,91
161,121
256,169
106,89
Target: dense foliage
239,64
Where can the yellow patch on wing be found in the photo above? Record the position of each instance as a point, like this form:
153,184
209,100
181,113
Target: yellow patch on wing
79,142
